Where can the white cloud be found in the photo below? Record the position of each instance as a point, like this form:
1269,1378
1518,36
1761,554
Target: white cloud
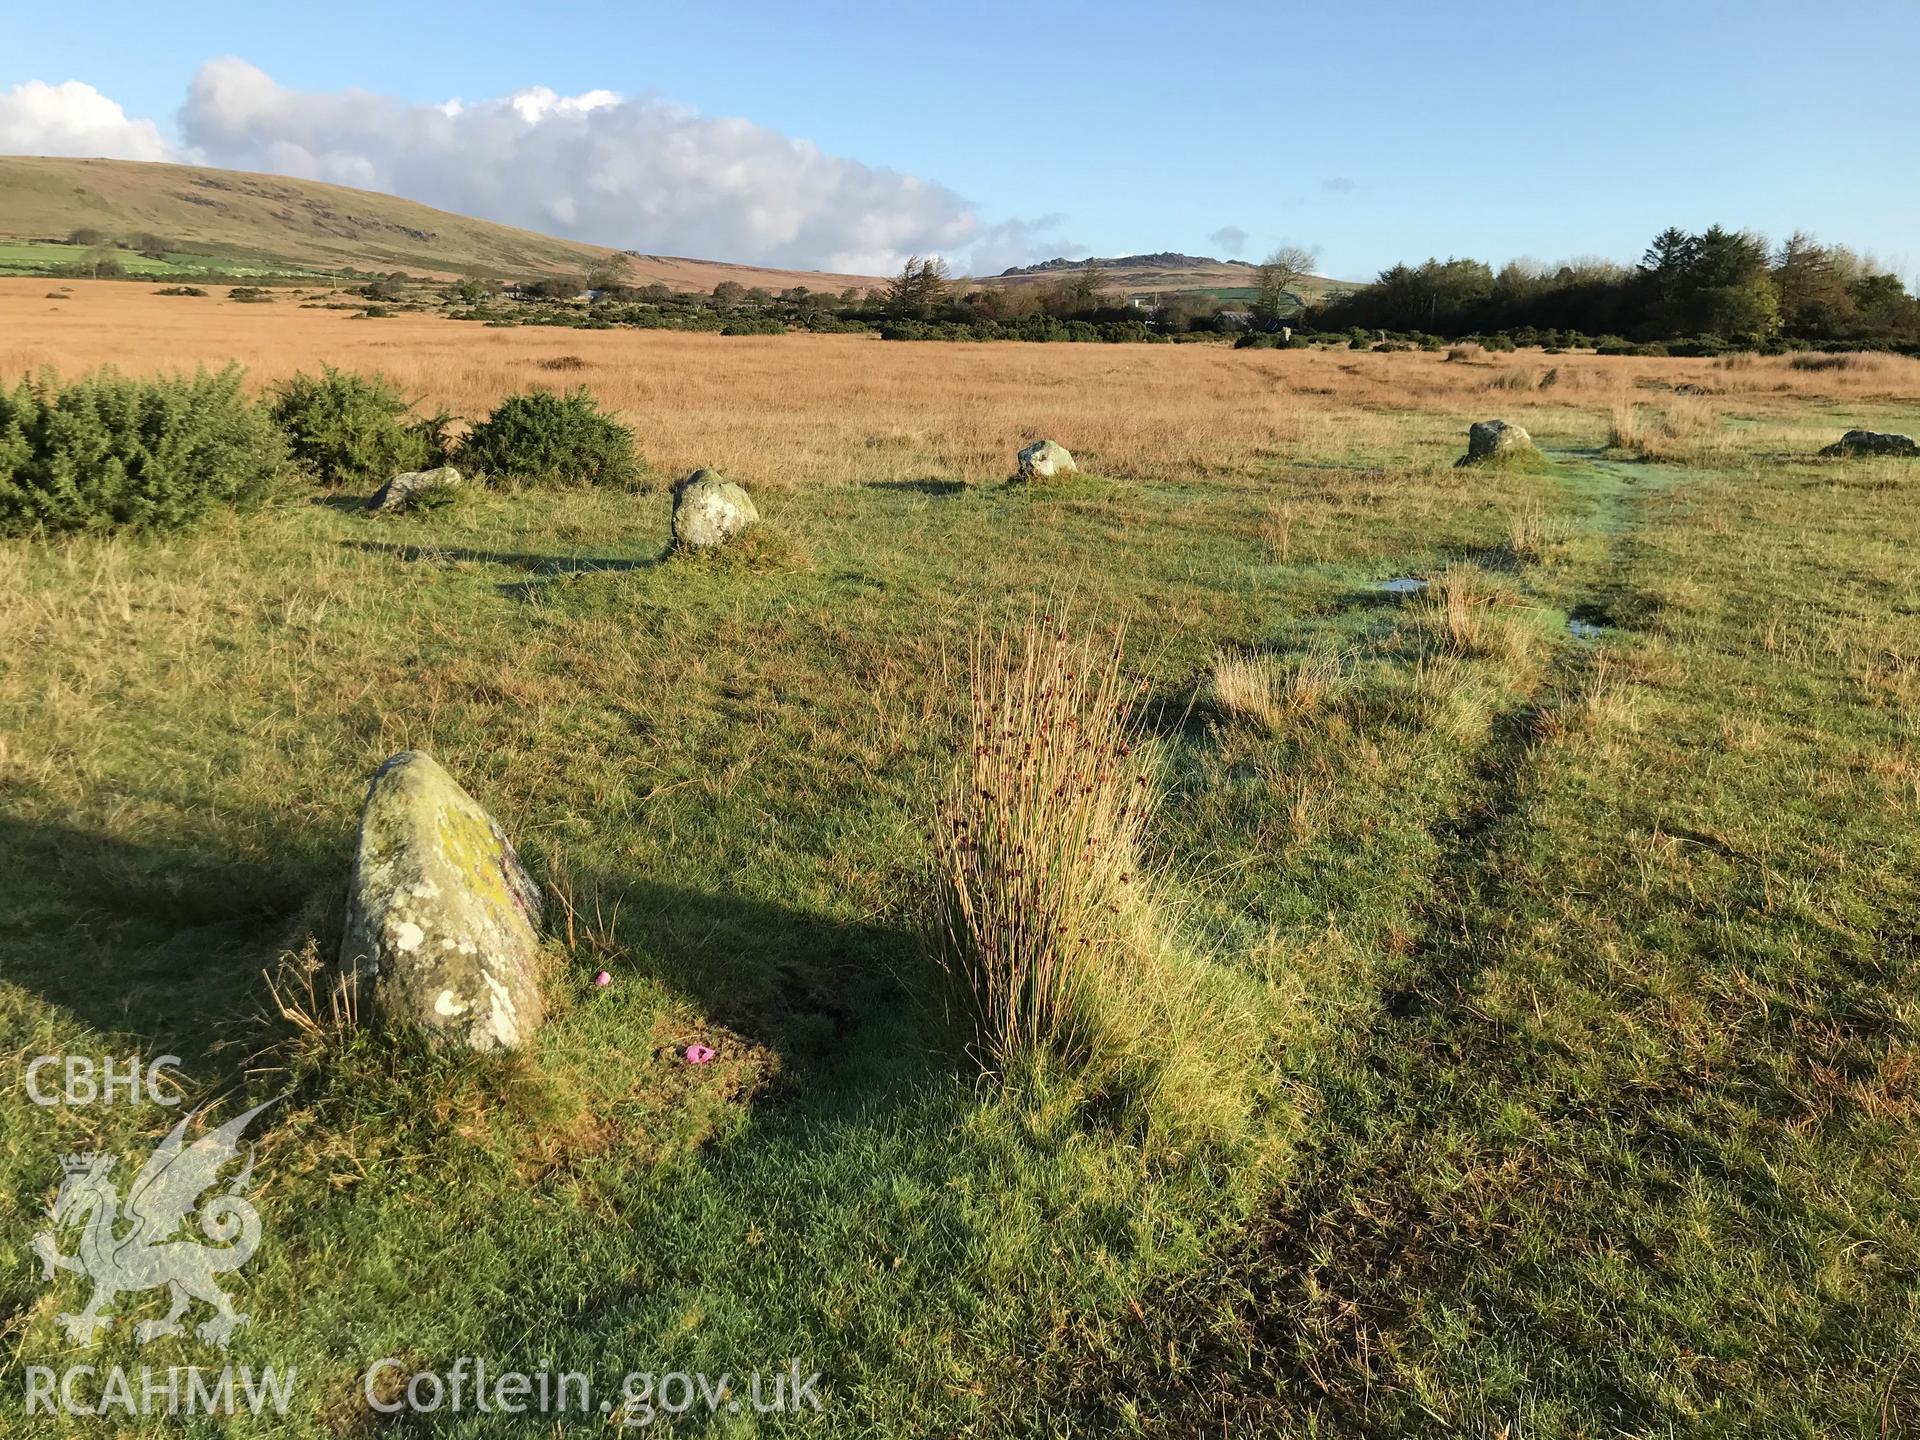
640,173
1231,239
73,119
1017,242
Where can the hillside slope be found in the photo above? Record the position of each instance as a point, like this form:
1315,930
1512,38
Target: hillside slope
1161,275
304,224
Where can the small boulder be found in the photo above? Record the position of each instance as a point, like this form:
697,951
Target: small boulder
1043,459
709,511
1495,440
399,493
1870,442
441,918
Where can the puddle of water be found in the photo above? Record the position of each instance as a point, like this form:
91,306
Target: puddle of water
1585,629
1401,585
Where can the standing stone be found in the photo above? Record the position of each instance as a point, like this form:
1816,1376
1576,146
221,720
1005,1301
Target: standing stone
1869,442
1494,440
441,918
399,492
1043,459
709,511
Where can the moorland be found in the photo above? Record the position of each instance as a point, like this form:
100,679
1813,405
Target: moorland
1542,839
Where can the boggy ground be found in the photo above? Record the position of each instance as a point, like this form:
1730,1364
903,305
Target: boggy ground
1584,967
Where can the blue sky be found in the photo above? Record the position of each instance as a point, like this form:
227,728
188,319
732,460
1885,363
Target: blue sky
1370,131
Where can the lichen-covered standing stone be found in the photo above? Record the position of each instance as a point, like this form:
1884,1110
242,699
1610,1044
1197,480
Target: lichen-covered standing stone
441,918
1493,439
399,492
1870,442
1042,460
709,511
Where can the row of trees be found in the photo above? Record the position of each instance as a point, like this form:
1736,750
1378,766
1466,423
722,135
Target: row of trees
1725,283
1720,285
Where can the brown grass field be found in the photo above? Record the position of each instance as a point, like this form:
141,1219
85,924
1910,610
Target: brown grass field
804,410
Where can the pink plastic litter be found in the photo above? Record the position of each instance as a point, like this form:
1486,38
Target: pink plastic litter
699,1054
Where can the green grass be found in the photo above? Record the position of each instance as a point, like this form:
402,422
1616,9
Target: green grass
1584,969
46,257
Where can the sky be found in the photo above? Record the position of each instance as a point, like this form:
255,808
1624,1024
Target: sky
846,136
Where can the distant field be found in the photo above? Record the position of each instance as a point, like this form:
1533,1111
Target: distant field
29,257
1567,906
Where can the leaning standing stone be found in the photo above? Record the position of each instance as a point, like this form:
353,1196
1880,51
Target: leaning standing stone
1043,459
441,918
709,511
1869,442
399,492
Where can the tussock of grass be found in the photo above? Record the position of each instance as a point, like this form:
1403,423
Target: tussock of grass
1466,613
318,1004
1270,691
1524,378
760,547
1857,363
1682,431
1047,917
1520,460
1536,538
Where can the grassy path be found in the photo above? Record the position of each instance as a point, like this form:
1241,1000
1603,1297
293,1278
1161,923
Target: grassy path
1630,1147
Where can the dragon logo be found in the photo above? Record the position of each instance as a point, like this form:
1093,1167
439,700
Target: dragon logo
153,1254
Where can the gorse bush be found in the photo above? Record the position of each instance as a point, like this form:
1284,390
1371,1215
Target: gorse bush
349,429
545,438
109,452
1045,919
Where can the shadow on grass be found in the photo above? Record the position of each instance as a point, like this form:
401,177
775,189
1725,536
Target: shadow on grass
545,565
161,939
929,486
344,504
785,978
167,941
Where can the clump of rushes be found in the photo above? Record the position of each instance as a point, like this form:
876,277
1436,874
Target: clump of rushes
1046,916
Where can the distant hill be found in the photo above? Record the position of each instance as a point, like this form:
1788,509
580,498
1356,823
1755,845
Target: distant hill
1162,273
269,222
1159,260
